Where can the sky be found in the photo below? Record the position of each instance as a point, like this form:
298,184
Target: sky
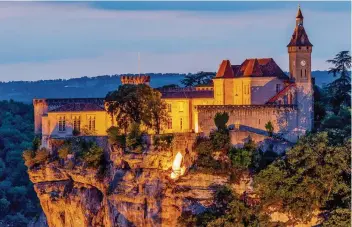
52,40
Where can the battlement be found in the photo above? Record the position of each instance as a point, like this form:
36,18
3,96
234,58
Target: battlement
142,79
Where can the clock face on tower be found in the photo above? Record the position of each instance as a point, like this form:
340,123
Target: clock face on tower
303,63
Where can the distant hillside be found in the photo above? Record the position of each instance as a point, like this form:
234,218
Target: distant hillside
98,86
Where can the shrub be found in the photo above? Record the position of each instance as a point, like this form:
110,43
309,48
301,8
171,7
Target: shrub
134,139
28,156
163,142
41,156
75,132
94,156
220,120
269,128
64,151
115,137
36,143
240,157
220,139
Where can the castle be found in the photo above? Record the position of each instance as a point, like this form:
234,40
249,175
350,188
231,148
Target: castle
253,93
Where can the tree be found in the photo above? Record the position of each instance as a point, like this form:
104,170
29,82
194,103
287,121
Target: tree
220,120
192,80
138,104
314,175
340,90
269,128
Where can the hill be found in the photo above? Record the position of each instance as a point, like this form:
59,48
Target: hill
98,86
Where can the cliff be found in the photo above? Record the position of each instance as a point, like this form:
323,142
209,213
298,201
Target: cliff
136,189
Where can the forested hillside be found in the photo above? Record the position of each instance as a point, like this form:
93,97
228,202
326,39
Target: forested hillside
18,201
98,86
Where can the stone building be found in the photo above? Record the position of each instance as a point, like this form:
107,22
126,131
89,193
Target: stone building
253,93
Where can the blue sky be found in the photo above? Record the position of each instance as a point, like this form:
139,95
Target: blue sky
48,40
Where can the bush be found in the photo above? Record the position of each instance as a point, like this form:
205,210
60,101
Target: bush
64,151
269,128
41,156
36,143
28,156
220,120
115,137
94,156
35,157
75,132
134,139
163,142
220,139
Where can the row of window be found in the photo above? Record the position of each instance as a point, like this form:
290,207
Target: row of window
180,105
76,123
169,123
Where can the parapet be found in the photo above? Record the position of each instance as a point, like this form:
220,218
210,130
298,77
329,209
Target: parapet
142,79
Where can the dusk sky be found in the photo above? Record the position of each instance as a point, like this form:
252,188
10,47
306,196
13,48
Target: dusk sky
51,40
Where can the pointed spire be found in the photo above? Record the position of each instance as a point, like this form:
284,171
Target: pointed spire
299,13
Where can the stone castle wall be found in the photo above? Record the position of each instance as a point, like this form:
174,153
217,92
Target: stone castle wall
252,118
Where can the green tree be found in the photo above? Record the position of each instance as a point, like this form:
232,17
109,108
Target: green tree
139,104
269,128
314,175
221,120
199,78
340,90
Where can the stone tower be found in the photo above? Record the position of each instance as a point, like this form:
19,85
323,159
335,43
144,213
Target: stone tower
300,50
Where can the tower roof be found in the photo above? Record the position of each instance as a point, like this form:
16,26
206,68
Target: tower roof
299,37
299,13
225,70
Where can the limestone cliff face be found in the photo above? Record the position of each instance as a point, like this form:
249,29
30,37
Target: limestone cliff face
137,189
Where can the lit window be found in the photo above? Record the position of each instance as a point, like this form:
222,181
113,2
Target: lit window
181,106
169,123
77,123
169,107
62,124
91,123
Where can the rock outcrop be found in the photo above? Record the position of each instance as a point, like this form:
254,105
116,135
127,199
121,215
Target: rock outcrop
136,190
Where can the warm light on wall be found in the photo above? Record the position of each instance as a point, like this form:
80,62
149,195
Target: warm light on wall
177,170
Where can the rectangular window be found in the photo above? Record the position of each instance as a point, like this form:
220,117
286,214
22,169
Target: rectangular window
181,106
181,123
62,124
77,123
169,107
91,123
278,88
169,123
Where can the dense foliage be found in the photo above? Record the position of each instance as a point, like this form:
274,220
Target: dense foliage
137,104
18,201
199,78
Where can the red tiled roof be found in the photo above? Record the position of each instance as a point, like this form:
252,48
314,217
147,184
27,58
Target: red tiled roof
281,93
257,67
74,107
188,94
225,70
299,37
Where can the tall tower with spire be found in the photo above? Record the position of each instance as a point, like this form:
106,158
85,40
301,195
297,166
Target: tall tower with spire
300,50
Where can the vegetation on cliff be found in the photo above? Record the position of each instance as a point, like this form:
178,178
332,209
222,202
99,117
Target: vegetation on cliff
18,201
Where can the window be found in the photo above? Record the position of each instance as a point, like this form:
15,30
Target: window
169,107
259,121
91,123
77,123
181,123
305,73
246,89
169,123
301,73
181,106
62,124
278,88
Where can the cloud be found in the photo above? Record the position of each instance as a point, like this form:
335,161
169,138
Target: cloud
57,40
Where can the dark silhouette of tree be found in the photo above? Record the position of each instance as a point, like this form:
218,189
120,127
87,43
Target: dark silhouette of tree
339,91
199,78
